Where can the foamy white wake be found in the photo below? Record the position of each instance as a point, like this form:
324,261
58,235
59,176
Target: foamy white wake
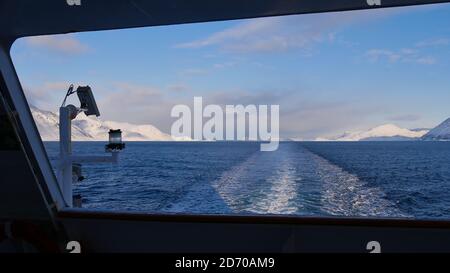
280,197
288,181
207,197
345,194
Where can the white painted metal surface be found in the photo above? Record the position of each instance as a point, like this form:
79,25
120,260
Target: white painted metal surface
67,159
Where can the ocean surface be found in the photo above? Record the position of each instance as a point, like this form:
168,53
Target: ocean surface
375,179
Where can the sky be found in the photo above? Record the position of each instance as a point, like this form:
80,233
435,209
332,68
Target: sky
329,73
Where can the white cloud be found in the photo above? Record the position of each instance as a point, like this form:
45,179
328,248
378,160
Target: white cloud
377,54
409,55
274,34
46,95
405,117
240,31
224,65
260,35
426,60
434,43
406,55
193,72
65,43
141,104
300,114
178,87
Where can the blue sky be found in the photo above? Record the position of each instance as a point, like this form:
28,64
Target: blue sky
329,73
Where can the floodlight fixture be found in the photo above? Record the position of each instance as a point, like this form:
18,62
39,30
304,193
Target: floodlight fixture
87,100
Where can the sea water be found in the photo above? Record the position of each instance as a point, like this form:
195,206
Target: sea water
370,179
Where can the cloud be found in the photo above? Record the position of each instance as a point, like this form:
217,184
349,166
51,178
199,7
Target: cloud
406,55
377,54
307,118
406,117
44,96
141,104
300,115
224,65
275,34
426,60
66,43
193,72
260,35
409,55
434,43
178,87
235,97
240,31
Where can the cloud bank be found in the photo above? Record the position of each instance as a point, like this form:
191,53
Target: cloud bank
65,43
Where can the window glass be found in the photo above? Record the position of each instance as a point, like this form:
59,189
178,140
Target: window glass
351,108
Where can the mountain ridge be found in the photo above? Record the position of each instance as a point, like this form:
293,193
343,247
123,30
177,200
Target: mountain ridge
385,132
440,132
94,129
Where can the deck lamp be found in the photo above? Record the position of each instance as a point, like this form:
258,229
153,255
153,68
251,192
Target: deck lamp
115,141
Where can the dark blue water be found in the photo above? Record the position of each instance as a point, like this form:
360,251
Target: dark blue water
376,179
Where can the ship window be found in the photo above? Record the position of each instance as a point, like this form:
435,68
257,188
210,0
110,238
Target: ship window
351,108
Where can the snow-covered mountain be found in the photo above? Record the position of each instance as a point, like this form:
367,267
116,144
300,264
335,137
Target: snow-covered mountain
386,132
440,132
94,129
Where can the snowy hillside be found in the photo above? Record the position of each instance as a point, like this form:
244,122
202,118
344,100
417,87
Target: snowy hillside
385,132
93,129
440,132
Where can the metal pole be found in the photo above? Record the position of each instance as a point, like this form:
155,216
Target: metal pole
113,158
65,152
65,168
